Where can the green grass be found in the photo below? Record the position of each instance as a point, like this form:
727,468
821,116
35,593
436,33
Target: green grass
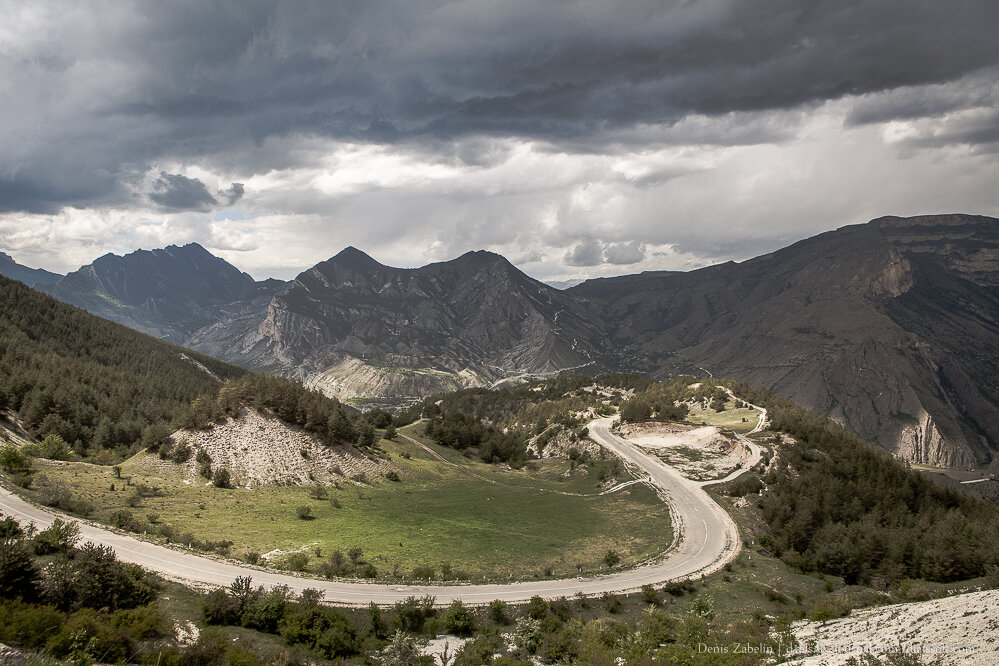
731,418
485,521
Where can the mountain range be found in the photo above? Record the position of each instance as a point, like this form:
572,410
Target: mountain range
29,276
890,327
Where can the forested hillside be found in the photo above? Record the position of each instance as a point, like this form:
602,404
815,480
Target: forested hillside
98,385
835,504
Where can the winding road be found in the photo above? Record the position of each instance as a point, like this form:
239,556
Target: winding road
709,539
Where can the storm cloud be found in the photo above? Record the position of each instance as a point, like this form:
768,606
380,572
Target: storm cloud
162,108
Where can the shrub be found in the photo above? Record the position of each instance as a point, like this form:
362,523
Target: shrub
12,460
413,613
57,495
497,611
423,572
298,561
221,478
323,629
59,537
218,607
221,547
612,558
392,475
181,452
95,578
458,620
612,602
122,519
26,625
304,513
18,575
829,607
537,608
650,595
10,528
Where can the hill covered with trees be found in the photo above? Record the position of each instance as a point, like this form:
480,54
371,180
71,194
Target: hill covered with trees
97,385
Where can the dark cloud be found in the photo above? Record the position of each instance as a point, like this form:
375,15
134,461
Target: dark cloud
173,191
177,192
230,196
592,252
587,253
212,83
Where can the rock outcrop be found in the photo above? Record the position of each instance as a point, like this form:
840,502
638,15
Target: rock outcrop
259,448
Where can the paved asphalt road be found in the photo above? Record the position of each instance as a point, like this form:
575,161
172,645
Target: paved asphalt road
709,540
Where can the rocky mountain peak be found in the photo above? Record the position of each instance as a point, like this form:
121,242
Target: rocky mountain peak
353,259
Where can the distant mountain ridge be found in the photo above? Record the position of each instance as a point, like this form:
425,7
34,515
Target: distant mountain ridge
33,277
352,326
169,292
890,326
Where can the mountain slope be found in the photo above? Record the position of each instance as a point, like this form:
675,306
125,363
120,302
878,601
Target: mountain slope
168,293
96,384
29,276
351,326
889,327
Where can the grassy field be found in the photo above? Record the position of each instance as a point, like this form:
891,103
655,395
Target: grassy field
476,520
736,420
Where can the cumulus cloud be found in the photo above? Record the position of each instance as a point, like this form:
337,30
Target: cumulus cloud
620,254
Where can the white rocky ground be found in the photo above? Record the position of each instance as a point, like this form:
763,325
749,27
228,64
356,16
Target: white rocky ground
962,629
563,444
718,454
260,448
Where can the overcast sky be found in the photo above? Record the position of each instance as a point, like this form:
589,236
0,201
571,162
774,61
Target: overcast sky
576,138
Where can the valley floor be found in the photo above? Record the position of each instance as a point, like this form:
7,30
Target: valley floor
464,520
